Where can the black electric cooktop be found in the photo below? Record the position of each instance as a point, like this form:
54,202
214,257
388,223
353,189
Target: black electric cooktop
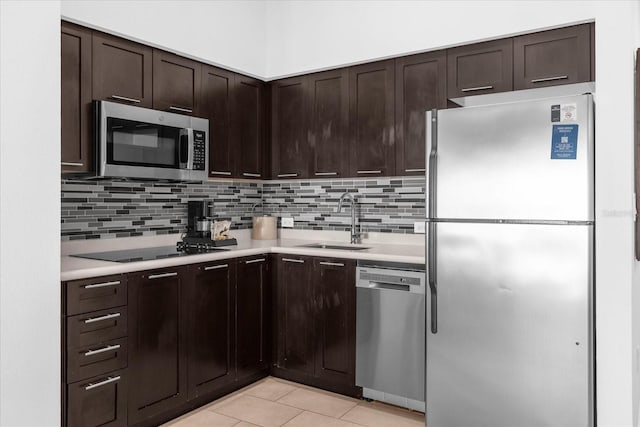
148,254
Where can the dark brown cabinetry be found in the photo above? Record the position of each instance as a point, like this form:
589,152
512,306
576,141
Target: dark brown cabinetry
561,56
76,142
480,68
249,122
289,130
420,86
121,70
157,343
371,123
176,83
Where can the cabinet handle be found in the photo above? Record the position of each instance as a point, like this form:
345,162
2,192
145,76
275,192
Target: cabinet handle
71,164
102,350
549,79
102,285
332,264
109,380
299,261
251,261
182,110
124,98
219,173
287,175
326,173
215,267
253,175
101,318
370,172
415,170
472,89
160,276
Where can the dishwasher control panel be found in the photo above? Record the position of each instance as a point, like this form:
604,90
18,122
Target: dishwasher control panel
391,276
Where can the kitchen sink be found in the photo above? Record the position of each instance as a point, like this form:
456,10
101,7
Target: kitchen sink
338,247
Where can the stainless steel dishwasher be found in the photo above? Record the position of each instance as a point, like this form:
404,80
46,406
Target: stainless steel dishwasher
390,340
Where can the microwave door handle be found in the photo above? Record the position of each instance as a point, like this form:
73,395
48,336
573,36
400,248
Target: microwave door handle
183,149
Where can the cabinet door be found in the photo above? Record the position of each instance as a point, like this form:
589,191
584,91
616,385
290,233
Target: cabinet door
210,304
296,314
121,70
99,401
248,137
157,358
480,68
554,57
371,101
176,83
75,97
216,105
253,316
329,123
336,320
420,86
289,138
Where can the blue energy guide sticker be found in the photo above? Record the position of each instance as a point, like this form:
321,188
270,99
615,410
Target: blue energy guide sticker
564,142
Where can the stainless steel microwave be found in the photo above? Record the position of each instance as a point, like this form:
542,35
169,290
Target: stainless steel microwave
135,142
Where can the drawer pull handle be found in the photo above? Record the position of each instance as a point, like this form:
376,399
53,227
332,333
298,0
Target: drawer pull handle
102,350
253,175
124,98
102,285
473,89
326,173
370,172
287,175
101,318
162,275
182,110
109,380
71,164
549,79
251,261
415,170
300,261
332,264
219,173
215,267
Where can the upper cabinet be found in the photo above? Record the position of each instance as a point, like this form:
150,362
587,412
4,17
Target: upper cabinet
480,68
561,56
176,83
371,124
76,141
248,129
420,87
121,70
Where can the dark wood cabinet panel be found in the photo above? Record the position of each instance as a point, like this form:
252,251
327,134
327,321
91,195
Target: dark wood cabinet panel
371,124
121,70
96,293
176,83
253,316
98,401
210,304
157,358
75,97
328,123
289,131
420,86
248,132
96,327
480,68
553,57
216,104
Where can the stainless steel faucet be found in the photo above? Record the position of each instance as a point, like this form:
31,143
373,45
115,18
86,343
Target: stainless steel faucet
354,236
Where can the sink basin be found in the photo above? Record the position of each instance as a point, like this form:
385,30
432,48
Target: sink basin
338,247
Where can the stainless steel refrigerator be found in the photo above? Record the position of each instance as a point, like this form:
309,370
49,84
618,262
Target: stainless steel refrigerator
510,265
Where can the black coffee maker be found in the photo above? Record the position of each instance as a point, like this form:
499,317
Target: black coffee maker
199,218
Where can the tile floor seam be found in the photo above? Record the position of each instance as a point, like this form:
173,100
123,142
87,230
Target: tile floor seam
315,412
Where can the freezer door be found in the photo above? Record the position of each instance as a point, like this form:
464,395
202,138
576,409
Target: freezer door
495,162
514,344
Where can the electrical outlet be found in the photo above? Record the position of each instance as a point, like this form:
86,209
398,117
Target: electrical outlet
287,222
419,227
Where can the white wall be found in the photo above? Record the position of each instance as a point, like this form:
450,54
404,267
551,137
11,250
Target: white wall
227,33
30,213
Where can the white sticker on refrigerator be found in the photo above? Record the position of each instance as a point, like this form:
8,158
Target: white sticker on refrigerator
568,112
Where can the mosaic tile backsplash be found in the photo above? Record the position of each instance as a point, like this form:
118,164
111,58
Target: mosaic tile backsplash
108,209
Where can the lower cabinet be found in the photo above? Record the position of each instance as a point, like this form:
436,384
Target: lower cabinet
98,401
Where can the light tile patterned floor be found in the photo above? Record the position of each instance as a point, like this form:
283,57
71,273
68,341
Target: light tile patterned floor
273,402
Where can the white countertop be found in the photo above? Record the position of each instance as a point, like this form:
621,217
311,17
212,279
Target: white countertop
406,248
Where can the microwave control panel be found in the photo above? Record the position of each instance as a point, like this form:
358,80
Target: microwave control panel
199,150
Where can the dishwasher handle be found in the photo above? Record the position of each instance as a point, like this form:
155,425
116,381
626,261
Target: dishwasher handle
376,285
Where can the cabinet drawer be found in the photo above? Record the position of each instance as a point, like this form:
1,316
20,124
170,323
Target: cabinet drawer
96,327
98,359
96,294
98,401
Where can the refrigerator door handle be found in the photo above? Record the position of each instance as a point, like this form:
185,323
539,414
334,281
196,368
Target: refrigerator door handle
431,165
431,273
